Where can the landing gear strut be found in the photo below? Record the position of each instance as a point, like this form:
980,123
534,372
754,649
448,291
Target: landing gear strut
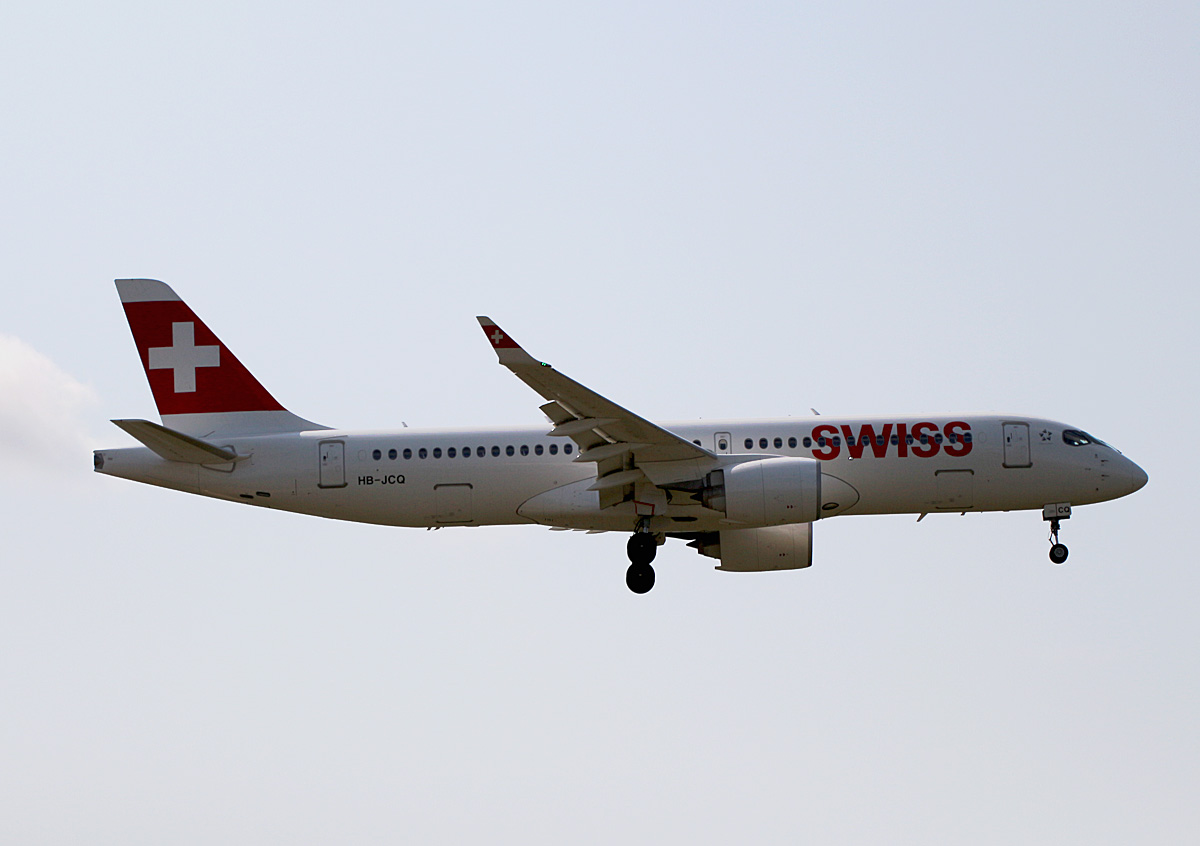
642,547
1058,551
1055,513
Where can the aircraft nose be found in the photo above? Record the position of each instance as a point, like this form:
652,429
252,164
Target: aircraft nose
1130,477
1137,477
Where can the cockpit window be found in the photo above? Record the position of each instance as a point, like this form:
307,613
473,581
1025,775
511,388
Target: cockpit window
1075,437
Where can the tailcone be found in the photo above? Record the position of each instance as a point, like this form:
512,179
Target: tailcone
139,464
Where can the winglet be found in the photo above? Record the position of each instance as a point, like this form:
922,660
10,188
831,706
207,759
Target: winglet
507,350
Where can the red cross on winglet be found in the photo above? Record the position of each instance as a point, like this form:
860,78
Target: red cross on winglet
507,350
500,340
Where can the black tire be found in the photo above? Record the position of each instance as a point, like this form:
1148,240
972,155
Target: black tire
1058,553
639,578
641,548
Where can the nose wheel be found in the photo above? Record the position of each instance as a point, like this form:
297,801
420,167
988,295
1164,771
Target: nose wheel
1055,513
642,547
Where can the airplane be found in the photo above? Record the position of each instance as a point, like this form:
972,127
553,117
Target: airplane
743,492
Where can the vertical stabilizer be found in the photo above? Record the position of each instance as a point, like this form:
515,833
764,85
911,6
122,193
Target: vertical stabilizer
199,385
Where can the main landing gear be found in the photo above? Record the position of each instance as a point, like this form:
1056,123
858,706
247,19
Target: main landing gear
642,547
1055,513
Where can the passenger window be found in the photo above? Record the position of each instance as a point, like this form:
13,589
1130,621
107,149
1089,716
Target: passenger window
407,453
568,448
392,454
792,442
554,449
466,452
821,441
837,440
524,449
421,453
762,443
437,452
808,442
850,440
967,437
749,443
451,453
937,439
697,443
537,449
509,451
495,452
879,440
895,440
779,443
376,454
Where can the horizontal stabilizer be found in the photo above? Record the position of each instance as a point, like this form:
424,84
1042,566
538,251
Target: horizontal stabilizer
176,446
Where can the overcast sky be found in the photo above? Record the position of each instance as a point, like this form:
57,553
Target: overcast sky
699,210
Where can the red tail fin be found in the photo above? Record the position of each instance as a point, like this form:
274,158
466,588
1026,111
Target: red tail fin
190,371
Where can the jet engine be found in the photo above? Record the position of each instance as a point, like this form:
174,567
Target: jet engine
758,550
769,492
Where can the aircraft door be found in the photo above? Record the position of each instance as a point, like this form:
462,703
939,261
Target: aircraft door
333,464
722,443
1016,445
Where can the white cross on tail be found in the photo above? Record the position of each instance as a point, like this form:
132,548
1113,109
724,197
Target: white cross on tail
183,357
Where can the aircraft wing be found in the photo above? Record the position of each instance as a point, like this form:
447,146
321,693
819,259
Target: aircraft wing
613,437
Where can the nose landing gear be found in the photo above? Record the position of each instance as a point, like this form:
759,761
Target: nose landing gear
642,547
1055,513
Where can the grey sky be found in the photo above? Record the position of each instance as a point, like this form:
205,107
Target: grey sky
699,210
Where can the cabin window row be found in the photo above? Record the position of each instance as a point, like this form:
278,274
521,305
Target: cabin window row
467,452
836,440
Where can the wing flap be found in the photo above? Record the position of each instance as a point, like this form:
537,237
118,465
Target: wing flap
581,425
556,413
607,450
618,480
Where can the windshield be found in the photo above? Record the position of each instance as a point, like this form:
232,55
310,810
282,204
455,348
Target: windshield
1076,437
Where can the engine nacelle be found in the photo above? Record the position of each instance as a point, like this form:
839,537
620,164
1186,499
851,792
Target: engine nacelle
770,492
759,550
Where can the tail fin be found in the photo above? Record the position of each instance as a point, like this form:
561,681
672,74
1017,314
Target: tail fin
199,386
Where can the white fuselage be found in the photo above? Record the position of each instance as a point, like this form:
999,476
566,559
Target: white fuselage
426,478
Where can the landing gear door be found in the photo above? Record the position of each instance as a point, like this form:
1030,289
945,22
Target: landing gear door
722,443
333,464
1016,445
